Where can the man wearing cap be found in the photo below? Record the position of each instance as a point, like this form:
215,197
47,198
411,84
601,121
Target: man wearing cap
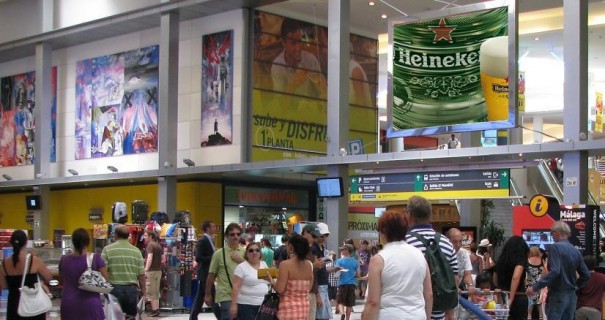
311,233
349,270
324,308
567,272
419,214
487,263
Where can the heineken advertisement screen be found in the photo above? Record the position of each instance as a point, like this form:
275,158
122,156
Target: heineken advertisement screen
450,74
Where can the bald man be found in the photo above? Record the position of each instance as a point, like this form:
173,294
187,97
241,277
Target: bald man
465,268
126,269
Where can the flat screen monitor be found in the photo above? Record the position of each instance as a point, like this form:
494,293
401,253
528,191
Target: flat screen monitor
33,202
540,238
329,187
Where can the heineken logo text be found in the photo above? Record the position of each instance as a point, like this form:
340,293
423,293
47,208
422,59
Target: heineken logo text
429,61
499,88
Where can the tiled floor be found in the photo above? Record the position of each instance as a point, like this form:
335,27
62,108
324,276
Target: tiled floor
177,315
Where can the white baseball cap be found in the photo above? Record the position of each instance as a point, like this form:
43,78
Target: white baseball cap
323,228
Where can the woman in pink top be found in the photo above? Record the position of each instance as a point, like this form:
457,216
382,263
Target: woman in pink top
294,281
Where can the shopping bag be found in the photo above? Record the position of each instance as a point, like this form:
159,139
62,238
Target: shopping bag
140,308
268,309
112,308
92,280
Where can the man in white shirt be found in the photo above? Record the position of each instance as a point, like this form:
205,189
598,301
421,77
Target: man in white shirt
465,267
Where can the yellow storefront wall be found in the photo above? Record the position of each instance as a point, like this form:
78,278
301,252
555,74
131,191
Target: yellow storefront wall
69,209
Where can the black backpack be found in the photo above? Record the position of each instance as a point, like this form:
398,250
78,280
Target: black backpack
445,294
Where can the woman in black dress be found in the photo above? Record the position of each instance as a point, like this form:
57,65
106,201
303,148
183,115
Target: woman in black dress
11,274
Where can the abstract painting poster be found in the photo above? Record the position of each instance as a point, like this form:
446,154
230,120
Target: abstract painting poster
117,104
17,121
217,89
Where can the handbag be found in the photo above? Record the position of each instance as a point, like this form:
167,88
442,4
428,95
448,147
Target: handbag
268,309
92,280
33,301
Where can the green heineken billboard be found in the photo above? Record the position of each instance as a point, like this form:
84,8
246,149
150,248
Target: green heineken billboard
451,73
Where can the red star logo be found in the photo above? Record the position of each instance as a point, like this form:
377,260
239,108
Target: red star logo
442,32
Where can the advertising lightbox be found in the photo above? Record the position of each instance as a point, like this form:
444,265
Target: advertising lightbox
450,69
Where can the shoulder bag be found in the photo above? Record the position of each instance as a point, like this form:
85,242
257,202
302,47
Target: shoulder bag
33,301
268,309
92,280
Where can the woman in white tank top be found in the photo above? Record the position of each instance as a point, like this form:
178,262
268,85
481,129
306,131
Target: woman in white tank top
399,282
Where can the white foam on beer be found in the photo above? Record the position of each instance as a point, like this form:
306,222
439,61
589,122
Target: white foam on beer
493,57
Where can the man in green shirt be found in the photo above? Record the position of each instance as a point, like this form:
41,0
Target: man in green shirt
222,266
126,270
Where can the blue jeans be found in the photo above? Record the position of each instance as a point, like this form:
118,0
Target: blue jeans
225,306
560,305
247,311
128,296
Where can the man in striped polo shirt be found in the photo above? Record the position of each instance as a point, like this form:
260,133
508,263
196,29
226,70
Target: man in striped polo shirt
126,271
419,213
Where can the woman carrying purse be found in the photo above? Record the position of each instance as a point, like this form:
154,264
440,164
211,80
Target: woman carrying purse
75,302
12,274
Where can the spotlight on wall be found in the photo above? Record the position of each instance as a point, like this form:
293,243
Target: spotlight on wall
189,162
73,172
167,164
39,175
112,169
7,177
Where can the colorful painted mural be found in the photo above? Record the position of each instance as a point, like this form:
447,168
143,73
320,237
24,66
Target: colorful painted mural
217,88
117,104
17,121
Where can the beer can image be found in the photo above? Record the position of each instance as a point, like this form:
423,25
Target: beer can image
436,69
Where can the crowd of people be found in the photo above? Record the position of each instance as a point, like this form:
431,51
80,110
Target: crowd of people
397,281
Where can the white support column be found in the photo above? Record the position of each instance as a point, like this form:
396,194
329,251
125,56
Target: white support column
338,121
538,126
168,111
575,92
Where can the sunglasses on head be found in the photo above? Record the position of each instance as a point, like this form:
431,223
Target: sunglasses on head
253,250
234,234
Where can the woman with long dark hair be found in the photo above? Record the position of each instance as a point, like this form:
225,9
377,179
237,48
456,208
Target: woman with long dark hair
509,275
294,281
11,274
77,303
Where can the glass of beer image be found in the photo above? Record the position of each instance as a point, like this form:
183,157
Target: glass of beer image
493,60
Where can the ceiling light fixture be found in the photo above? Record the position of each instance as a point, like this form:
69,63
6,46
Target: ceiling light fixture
189,162
73,172
371,3
112,169
384,16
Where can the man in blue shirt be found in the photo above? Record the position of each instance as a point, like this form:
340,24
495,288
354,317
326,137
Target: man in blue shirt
566,273
349,270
